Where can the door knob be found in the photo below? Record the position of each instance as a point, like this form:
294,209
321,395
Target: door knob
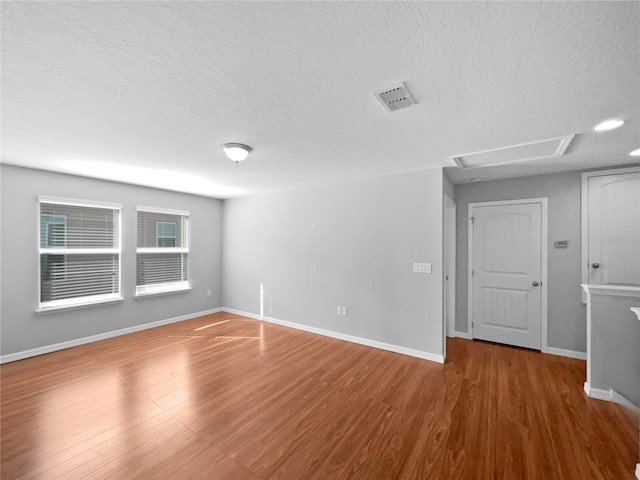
535,284
595,265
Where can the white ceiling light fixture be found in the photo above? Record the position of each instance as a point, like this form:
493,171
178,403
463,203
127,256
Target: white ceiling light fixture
236,152
610,124
635,153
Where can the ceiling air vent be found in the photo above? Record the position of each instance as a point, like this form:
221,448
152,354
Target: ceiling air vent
542,149
395,98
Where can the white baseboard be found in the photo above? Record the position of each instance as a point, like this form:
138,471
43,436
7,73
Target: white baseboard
12,357
343,336
551,350
597,393
566,353
609,395
638,471
244,314
621,400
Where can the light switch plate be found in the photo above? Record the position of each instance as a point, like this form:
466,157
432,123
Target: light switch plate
421,267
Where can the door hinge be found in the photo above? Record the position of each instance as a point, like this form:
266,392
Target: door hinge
473,219
472,272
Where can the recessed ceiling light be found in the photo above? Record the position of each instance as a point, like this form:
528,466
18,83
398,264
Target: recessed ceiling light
236,151
610,124
635,153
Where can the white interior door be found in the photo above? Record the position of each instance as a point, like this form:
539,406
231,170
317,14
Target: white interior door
614,229
507,274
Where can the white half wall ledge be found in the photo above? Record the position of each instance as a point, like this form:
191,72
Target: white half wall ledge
433,357
612,290
34,352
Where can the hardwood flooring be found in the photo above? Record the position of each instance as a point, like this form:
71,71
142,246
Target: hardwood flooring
227,397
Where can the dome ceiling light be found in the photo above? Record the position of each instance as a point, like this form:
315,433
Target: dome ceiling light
236,152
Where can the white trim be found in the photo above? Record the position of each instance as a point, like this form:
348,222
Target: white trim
544,240
185,230
255,316
562,352
79,203
168,211
79,251
66,304
343,336
449,250
588,299
621,400
161,289
146,250
638,471
609,395
597,393
69,304
611,290
584,217
12,357
459,334
565,141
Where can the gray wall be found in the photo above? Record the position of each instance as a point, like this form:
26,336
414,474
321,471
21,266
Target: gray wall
567,313
22,329
615,356
349,244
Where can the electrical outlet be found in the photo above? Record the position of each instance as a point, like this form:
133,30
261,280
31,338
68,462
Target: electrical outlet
345,311
339,311
209,293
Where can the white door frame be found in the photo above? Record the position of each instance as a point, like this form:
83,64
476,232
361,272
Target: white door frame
584,211
450,269
544,347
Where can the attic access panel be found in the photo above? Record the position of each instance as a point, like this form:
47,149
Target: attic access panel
542,149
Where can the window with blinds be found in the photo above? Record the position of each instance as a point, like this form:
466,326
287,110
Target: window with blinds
162,251
79,253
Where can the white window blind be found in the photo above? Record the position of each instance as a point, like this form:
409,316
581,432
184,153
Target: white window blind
79,253
162,251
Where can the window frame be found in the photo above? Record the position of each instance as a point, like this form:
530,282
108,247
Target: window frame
169,287
88,300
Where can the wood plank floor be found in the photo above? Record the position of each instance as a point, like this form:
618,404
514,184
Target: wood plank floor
227,397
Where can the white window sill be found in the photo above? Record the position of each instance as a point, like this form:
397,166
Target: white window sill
164,291
77,306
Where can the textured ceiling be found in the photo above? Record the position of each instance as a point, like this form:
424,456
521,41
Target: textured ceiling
147,92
